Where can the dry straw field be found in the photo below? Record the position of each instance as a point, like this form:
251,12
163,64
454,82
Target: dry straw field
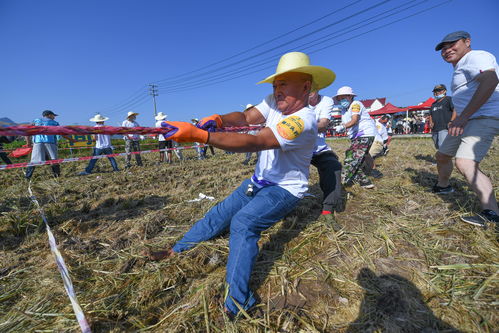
402,263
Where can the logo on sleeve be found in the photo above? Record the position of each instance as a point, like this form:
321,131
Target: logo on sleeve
356,108
291,127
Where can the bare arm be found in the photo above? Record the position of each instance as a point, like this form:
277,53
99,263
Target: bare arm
454,115
245,118
355,119
322,124
430,120
487,83
241,143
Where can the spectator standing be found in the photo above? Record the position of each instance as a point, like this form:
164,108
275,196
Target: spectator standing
475,94
103,146
441,114
44,146
199,149
162,141
132,141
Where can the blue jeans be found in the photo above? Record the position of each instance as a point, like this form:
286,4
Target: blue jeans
101,151
246,216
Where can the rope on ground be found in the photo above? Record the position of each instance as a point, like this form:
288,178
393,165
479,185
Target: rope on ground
61,265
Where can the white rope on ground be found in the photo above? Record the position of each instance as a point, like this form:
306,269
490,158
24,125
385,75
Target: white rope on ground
61,265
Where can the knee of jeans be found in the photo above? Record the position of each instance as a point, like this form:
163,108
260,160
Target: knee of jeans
244,224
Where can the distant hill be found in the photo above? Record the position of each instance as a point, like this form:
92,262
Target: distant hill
5,122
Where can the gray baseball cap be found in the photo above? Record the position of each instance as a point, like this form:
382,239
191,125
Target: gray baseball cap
452,37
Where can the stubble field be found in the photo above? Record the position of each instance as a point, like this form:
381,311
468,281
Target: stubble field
403,261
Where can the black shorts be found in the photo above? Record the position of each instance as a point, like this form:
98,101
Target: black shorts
165,144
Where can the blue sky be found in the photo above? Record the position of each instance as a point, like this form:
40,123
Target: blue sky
82,57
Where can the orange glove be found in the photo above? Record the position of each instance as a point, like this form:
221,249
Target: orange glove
210,123
185,132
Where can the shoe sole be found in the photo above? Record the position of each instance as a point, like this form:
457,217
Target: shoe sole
475,220
446,192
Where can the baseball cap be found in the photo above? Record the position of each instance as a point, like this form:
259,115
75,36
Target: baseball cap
48,113
439,87
452,37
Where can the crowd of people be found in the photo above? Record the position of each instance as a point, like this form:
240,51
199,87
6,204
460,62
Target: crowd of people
295,118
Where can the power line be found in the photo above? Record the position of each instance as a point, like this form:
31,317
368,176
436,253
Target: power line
213,79
196,77
193,82
261,44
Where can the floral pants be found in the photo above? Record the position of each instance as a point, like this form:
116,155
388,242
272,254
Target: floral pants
354,158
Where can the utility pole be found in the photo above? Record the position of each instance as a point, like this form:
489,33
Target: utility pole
153,91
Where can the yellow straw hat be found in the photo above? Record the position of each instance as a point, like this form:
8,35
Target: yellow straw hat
300,62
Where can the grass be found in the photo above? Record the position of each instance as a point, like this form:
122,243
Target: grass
402,263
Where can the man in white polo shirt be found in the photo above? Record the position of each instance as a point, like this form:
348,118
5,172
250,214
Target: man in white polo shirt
475,94
281,175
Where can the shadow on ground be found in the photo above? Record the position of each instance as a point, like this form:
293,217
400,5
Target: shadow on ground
459,200
392,303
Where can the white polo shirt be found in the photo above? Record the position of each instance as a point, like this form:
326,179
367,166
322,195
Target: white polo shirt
464,85
322,110
287,167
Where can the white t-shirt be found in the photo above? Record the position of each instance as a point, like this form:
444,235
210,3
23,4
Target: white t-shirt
103,140
364,127
287,167
128,123
323,109
382,131
464,84
161,137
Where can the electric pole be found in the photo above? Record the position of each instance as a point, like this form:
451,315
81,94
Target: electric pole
153,92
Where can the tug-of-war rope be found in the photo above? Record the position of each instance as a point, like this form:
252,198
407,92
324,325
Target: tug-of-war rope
109,130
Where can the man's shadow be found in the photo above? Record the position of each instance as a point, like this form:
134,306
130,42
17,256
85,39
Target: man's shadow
459,199
394,304
427,158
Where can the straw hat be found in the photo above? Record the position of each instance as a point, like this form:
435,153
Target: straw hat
131,113
300,62
195,120
160,116
98,118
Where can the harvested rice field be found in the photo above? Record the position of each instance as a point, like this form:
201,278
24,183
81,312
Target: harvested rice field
403,261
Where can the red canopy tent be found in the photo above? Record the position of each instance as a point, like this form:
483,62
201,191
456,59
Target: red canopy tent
388,108
426,105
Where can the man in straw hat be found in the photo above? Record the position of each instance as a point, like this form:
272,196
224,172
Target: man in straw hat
102,146
132,142
325,160
281,175
475,95
162,141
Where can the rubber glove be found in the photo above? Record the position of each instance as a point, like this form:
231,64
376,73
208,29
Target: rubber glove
184,132
210,123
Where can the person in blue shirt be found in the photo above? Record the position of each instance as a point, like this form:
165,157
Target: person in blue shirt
44,146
